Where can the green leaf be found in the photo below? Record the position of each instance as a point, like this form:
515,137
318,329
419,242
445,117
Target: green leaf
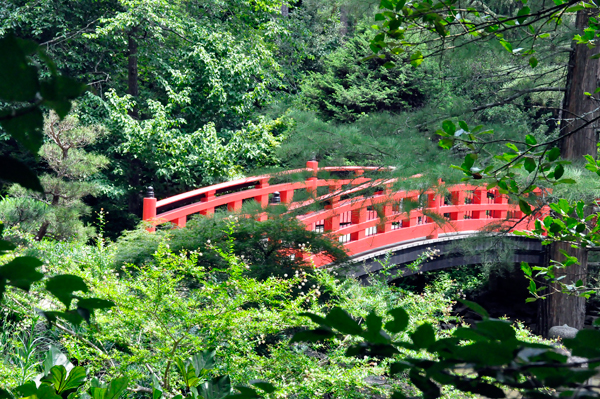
559,171
483,389
524,206
529,164
18,79
54,357
217,388
399,322
94,303
343,322
316,335
374,323
468,162
476,308
526,268
24,125
512,147
116,388
399,366
5,246
496,329
63,286
263,385
529,139
533,62
57,377
75,379
98,393
424,336
429,388
27,389
506,45
449,127
46,391
523,12
567,181
204,360
553,154
21,272
58,92
446,143
26,178
416,59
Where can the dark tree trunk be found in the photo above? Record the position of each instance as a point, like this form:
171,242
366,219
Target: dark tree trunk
44,227
42,231
132,67
343,22
559,309
285,10
134,199
583,75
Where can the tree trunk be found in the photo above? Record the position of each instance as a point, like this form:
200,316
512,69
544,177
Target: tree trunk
134,170
559,309
285,10
44,227
583,75
132,67
343,22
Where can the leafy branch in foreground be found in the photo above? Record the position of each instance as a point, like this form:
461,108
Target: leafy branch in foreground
485,359
568,223
451,25
62,380
24,94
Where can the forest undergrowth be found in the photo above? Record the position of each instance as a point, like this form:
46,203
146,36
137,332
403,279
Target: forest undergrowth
172,307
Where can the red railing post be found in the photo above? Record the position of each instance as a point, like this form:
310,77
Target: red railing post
501,199
262,199
287,196
234,206
433,205
358,216
149,208
458,201
209,196
311,182
478,195
385,224
332,223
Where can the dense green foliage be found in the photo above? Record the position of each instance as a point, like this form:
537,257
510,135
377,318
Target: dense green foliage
248,321
183,94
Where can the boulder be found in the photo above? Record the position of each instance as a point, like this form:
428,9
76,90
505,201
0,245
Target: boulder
563,331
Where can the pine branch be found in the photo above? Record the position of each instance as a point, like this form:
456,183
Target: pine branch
517,95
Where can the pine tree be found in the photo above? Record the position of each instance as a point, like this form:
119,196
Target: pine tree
69,181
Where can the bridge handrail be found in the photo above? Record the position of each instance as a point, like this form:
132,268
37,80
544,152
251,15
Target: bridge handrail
361,223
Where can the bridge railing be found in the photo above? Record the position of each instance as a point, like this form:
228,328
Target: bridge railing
361,223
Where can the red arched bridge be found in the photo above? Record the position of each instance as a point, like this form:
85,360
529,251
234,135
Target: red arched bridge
364,223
